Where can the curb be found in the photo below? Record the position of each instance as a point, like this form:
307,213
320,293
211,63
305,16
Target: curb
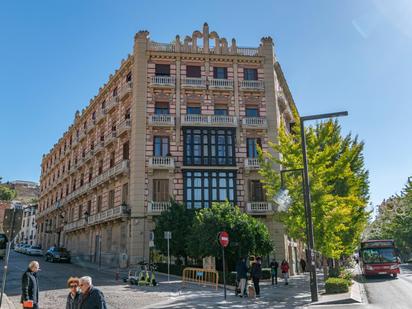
356,295
7,304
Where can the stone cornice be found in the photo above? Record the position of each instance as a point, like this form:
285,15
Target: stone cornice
205,57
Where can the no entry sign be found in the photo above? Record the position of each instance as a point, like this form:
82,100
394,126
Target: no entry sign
224,239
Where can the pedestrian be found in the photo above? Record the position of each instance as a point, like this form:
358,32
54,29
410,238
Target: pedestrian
241,273
30,286
73,299
274,271
91,297
256,274
303,264
284,266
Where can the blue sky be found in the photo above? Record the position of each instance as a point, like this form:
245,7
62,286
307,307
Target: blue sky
336,55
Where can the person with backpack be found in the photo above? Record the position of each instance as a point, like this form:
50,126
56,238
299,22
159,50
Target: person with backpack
285,271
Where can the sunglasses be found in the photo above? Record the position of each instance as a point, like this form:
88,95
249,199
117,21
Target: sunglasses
73,286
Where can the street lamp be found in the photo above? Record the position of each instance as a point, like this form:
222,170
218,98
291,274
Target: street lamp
308,210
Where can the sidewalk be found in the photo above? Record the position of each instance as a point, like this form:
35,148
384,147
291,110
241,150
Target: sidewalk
6,303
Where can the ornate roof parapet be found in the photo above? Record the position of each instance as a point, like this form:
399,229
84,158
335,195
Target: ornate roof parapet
191,44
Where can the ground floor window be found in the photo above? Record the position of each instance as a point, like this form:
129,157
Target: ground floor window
201,188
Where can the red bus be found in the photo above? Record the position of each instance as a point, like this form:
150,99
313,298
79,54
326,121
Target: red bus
379,257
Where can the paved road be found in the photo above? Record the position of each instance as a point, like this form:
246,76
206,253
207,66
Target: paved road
386,292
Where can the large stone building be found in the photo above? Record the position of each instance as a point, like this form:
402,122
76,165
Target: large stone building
177,120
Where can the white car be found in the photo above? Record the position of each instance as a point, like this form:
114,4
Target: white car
23,249
17,247
34,250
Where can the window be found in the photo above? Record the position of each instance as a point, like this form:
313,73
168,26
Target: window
125,194
112,158
161,146
90,174
114,93
80,211
127,114
160,190
201,188
221,110
103,105
100,167
162,108
252,112
111,198
252,144
81,180
129,77
209,146
89,207
256,191
94,115
99,204
162,70
193,71
126,151
220,72
193,110
250,74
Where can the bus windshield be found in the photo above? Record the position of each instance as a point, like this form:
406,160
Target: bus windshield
378,255
3,241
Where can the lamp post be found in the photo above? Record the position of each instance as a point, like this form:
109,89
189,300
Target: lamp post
308,210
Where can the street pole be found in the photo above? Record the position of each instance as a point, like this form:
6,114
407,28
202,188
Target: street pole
309,224
307,202
224,271
168,259
6,261
100,252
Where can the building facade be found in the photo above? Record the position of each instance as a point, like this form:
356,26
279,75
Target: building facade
28,229
179,120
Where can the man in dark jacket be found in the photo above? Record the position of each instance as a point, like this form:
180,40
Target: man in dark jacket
91,297
30,285
256,274
274,271
241,273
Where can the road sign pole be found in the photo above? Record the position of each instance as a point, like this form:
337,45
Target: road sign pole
224,271
168,259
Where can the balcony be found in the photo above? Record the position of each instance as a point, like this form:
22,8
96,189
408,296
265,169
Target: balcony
162,120
118,169
91,126
257,208
252,85
82,135
124,127
88,156
125,90
111,104
209,120
193,83
163,81
252,164
108,215
79,192
100,115
254,123
99,147
156,208
221,84
79,224
162,163
110,138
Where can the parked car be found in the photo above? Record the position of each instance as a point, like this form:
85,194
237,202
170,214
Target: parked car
17,247
23,249
34,250
58,254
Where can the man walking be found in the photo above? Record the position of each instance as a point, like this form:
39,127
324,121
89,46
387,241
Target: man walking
92,298
274,271
241,273
30,286
256,274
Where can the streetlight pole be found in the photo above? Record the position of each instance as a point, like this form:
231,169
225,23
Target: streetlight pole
307,202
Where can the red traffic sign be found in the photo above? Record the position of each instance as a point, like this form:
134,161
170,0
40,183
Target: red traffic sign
224,239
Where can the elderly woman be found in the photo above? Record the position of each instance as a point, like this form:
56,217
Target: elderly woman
73,299
30,286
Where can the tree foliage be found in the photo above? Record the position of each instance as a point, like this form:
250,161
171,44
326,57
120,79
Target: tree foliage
247,235
178,220
6,193
339,185
394,221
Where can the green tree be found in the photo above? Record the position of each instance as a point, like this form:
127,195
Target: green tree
247,235
7,194
178,220
338,185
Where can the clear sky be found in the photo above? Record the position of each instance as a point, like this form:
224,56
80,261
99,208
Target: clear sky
336,55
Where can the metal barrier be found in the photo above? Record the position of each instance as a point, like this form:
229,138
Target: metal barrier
201,276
